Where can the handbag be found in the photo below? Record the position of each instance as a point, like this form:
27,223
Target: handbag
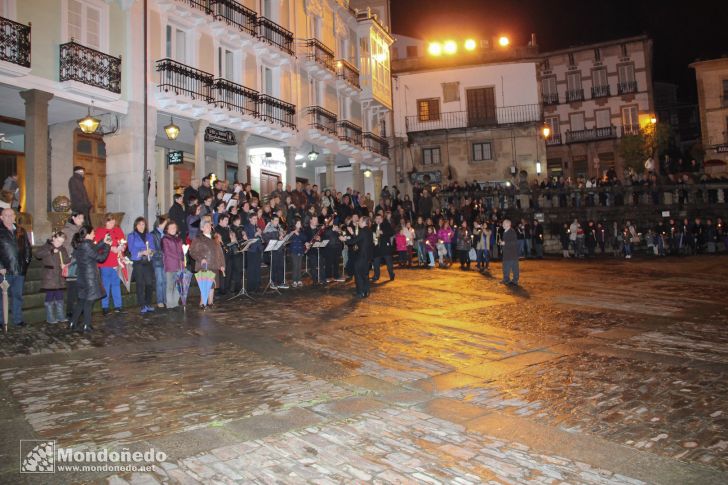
472,254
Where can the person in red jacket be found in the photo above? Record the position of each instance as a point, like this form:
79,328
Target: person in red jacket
109,276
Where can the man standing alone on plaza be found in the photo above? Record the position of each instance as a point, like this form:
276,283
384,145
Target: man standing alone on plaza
509,241
80,201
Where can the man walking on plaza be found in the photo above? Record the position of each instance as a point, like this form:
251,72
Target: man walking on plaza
80,201
509,241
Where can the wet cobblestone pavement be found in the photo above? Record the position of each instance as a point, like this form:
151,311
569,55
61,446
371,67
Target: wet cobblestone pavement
592,372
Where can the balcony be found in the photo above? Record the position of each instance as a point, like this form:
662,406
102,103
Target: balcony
273,34
317,59
592,134
182,80
376,144
273,110
627,87
347,77
87,72
553,140
234,97
14,47
575,95
350,133
628,130
600,91
236,15
550,99
502,116
322,123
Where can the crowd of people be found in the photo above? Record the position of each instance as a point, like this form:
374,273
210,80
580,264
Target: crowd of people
230,231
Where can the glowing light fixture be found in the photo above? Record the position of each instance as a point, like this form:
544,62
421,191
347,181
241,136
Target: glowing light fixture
470,45
653,120
89,124
312,156
434,49
450,47
504,41
367,173
546,131
538,168
171,130
303,165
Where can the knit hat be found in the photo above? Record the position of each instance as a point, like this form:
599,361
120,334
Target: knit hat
78,168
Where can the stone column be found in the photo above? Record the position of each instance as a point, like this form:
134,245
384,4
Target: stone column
198,127
331,171
243,156
36,160
378,174
290,154
357,177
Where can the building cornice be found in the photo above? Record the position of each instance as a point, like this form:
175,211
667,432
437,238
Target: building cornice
612,42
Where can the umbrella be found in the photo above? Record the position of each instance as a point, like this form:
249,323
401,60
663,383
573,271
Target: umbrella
205,280
123,269
5,285
182,279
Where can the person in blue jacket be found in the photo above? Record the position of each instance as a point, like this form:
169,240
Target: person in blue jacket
142,248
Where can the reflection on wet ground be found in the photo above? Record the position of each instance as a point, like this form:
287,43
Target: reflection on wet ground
593,372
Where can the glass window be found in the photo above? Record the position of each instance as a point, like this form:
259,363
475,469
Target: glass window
548,85
630,119
431,156
573,81
84,146
482,151
626,73
603,118
553,122
428,109
599,77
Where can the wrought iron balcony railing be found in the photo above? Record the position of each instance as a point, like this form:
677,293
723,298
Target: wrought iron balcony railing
274,110
322,119
236,14
318,52
574,95
182,79
346,71
504,115
350,133
375,143
274,34
554,139
89,66
591,134
550,99
600,91
14,42
235,97
627,87
203,5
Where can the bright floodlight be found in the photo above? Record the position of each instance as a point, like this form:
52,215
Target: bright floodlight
504,41
451,47
434,49
470,45
546,130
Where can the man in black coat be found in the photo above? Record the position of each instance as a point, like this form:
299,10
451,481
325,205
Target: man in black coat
383,233
15,257
178,215
362,245
80,201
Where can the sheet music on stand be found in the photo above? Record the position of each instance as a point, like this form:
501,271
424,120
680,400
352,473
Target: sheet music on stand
286,238
244,249
320,244
272,246
248,243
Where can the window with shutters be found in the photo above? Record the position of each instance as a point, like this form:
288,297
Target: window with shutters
428,109
627,81
630,120
603,118
573,81
548,85
176,44
599,77
576,121
450,92
226,64
86,22
554,123
481,106
482,151
431,156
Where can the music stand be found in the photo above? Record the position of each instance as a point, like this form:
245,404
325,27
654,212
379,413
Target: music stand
318,246
244,250
273,245
284,243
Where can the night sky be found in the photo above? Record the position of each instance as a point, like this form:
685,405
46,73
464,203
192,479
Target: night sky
681,33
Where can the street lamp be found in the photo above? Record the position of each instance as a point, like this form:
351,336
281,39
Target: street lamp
367,173
89,124
434,49
450,47
504,41
470,45
312,155
546,131
171,130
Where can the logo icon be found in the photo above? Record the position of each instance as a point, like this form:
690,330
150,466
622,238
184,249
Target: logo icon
37,456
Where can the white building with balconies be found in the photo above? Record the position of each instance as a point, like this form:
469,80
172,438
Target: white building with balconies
258,90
